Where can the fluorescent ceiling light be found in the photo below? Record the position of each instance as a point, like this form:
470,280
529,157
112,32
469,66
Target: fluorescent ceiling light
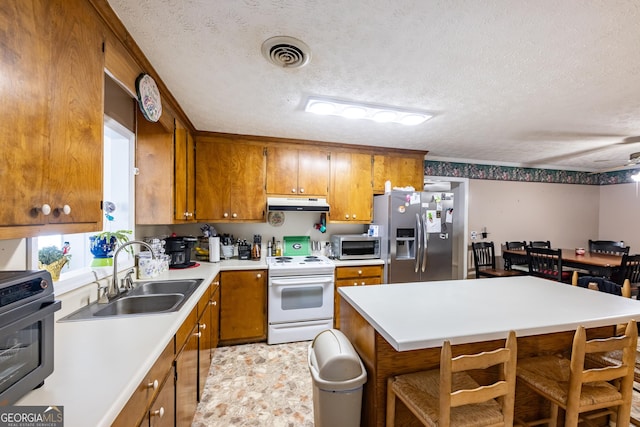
356,110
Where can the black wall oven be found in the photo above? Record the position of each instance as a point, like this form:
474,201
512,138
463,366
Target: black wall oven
27,308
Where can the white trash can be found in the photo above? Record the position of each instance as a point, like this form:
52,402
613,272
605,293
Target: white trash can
338,377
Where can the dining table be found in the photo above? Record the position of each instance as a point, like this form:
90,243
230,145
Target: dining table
597,264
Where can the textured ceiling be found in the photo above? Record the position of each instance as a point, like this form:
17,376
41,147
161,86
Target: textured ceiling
546,83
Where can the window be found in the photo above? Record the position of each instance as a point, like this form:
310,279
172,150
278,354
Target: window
118,200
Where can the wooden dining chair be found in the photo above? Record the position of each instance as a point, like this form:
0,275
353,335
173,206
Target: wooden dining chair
547,263
484,260
449,396
540,244
629,271
610,247
568,384
511,260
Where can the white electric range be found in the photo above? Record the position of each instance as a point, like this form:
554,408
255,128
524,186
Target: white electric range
300,297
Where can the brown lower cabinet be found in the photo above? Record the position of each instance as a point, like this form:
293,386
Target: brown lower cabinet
243,306
361,275
169,393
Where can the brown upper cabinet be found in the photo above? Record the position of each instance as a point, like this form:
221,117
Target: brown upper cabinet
401,170
296,172
51,133
185,174
351,190
230,177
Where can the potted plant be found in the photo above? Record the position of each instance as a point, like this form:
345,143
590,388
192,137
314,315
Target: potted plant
104,244
52,259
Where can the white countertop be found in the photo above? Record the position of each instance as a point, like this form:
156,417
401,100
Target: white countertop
357,262
99,363
413,316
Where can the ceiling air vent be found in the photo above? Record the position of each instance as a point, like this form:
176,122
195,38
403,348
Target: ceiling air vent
286,52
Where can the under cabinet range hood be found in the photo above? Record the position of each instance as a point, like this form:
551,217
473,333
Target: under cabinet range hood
297,204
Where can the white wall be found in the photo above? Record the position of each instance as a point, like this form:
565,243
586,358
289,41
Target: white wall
619,209
565,214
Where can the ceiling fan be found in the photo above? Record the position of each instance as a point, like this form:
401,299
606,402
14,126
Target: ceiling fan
634,161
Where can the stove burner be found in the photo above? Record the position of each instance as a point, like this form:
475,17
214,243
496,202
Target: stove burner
283,259
312,258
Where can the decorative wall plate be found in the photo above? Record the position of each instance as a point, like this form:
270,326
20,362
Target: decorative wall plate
149,98
276,219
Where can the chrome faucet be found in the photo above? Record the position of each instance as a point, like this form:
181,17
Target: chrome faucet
114,290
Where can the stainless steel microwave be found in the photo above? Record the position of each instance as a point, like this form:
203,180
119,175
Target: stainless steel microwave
355,246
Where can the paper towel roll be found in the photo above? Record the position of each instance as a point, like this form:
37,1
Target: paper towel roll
214,249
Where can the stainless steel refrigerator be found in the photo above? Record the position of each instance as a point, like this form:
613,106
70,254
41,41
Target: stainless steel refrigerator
416,230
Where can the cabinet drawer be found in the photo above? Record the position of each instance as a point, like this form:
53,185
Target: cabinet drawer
359,271
355,281
136,407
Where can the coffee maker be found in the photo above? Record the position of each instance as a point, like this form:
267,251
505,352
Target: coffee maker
179,249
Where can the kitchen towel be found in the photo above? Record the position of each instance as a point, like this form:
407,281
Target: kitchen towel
214,249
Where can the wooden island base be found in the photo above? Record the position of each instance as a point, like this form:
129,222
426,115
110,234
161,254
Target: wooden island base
382,361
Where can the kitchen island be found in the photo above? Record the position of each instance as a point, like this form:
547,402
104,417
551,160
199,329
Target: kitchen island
400,328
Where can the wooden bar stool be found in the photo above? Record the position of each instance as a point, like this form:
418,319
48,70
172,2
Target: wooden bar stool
449,396
568,384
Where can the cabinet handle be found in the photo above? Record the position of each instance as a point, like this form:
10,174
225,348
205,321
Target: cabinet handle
293,190
202,326
66,209
213,302
234,215
353,216
45,209
198,334
355,283
226,215
158,413
346,216
362,284
359,272
153,385
301,190
259,276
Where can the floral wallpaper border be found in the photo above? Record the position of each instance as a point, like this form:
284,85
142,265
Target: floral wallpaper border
511,173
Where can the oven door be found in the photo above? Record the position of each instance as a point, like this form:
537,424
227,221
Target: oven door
26,350
300,298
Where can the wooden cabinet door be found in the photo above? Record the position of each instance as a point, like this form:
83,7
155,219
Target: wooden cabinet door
185,194
230,180
163,410
248,198
213,180
77,114
351,195
297,172
24,127
215,315
187,381
204,346
243,306
313,172
402,171
282,171
154,182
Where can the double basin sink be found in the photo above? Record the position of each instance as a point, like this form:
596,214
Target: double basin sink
152,297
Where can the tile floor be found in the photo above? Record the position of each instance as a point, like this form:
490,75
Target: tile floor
267,385
258,385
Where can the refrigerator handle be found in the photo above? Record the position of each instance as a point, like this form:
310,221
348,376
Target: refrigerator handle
425,240
418,241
